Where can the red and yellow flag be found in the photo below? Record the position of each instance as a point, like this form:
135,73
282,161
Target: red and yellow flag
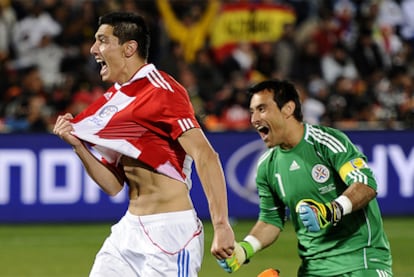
251,22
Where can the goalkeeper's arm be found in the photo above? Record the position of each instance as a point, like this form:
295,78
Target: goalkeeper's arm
316,216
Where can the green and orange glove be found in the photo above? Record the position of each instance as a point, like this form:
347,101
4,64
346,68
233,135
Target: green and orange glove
243,251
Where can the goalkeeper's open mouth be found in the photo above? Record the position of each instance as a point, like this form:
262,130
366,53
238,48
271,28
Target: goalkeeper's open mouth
263,132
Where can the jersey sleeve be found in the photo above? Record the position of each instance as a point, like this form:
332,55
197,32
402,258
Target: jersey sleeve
350,162
357,170
165,109
272,209
182,116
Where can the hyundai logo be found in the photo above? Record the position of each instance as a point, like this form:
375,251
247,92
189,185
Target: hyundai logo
240,180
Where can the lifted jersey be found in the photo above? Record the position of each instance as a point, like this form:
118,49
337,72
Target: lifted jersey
321,167
142,119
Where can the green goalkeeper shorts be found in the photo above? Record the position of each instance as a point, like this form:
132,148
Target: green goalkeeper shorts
368,273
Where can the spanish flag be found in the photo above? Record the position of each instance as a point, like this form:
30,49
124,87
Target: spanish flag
248,22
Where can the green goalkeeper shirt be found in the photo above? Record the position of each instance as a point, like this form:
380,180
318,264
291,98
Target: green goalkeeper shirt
321,167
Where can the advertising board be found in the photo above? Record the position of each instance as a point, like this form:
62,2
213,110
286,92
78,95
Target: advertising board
42,179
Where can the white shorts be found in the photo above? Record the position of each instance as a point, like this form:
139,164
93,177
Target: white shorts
168,244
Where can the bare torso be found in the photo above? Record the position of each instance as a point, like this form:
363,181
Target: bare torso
151,192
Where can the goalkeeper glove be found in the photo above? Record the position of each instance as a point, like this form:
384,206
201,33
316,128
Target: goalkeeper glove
316,216
242,252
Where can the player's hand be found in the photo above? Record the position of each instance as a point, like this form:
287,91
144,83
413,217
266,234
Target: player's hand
243,251
223,241
63,128
270,272
316,216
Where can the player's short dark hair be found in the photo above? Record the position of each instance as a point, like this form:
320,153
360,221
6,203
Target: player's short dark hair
283,92
129,26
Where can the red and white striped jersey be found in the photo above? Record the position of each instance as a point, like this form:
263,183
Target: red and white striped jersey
141,119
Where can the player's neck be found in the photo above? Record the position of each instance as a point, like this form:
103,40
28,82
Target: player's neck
294,134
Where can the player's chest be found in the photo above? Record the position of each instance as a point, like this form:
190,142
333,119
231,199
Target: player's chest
301,174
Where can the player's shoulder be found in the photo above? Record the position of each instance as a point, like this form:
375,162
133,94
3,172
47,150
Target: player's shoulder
150,80
164,82
266,157
325,137
321,132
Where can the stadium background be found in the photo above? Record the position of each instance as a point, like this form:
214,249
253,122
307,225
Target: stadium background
53,218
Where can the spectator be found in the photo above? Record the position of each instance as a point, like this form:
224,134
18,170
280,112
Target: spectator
266,59
313,109
366,55
389,13
208,77
344,16
407,28
173,59
26,110
325,33
7,21
242,59
188,80
235,114
345,100
191,31
338,63
395,97
307,63
389,43
30,30
286,51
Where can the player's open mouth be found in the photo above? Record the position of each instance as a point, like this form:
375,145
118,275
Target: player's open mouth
263,131
103,65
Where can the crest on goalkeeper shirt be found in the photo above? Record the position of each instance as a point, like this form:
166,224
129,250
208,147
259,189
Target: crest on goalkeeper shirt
320,173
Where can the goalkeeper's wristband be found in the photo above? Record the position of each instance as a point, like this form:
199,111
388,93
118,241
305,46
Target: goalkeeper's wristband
340,207
345,204
250,245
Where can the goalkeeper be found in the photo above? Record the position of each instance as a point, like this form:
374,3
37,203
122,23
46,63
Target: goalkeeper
319,175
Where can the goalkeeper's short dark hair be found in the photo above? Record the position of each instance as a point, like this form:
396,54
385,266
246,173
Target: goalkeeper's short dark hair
283,92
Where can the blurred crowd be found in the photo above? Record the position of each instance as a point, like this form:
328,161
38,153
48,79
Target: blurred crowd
352,61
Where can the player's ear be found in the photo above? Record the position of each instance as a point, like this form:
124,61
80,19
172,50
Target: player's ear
288,108
130,47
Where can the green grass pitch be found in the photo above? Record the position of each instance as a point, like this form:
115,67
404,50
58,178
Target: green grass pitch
42,250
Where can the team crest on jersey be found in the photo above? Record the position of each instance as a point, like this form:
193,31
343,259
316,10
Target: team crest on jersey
108,111
320,173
